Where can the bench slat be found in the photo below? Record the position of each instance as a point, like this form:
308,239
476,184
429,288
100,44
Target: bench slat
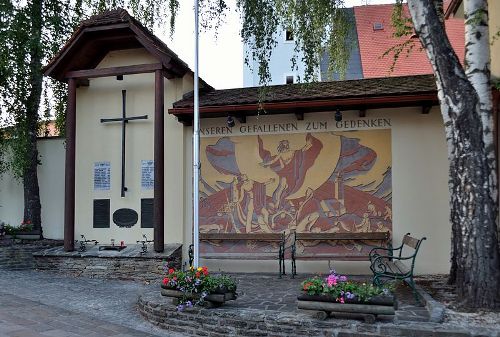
343,236
242,236
409,241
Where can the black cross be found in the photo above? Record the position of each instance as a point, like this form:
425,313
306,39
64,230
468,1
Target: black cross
124,120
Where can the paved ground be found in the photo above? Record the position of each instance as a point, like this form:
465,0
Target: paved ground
45,304
37,304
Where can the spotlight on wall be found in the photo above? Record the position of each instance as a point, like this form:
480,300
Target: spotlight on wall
338,115
230,121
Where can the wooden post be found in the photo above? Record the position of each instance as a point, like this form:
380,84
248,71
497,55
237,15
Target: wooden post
158,204
69,174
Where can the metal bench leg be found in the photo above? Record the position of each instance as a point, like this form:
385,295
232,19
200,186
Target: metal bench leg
279,261
411,283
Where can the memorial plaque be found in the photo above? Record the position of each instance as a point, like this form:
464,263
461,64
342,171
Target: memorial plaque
102,176
147,213
101,213
147,174
125,217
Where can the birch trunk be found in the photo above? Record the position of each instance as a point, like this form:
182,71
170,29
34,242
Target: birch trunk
466,107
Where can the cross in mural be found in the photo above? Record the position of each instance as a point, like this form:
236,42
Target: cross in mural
124,120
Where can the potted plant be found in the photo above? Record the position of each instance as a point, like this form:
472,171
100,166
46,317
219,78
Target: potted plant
24,231
337,294
198,287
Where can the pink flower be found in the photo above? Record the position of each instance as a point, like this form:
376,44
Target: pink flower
342,300
331,280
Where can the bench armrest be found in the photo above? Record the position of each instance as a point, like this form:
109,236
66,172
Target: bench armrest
374,251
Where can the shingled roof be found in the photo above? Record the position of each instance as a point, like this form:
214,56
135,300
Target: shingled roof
111,30
319,96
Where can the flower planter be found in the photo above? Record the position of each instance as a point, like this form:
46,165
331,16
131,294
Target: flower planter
326,306
211,300
35,235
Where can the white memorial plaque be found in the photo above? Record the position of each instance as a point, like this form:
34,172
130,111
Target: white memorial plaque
102,176
147,174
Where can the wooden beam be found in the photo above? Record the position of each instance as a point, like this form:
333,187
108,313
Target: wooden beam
242,118
426,108
362,113
159,141
69,175
299,116
115,71
312,106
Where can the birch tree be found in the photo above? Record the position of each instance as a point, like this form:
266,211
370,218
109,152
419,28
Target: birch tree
465,96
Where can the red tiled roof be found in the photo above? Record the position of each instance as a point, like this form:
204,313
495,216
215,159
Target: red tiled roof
374,43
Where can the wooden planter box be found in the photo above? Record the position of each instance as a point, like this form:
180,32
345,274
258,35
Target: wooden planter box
326,306
35,235
211,301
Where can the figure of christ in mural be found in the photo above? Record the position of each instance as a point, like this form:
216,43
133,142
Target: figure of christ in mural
290,166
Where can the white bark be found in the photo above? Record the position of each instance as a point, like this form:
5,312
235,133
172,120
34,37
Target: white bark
477,69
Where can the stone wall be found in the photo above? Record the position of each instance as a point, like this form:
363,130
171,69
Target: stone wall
130,265
227,321
18,254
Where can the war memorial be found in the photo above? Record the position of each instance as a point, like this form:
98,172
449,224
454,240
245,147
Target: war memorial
316,175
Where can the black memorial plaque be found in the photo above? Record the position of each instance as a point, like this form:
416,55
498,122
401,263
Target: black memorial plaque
101,213
125,217
147,213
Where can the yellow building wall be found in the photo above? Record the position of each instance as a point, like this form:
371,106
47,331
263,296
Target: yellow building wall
51,182
419,188
98,142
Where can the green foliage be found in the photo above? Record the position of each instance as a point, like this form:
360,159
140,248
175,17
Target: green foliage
339,288
196,284
317,26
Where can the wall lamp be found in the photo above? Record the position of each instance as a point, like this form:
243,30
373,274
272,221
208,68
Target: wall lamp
230,121
338,115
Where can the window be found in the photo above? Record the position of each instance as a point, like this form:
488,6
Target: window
289,79
288,35
378,26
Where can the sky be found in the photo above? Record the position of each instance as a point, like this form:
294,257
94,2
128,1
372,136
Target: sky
221,59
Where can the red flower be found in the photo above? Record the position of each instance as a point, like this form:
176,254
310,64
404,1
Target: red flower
204,269
197,274
171,271
174,278
166,280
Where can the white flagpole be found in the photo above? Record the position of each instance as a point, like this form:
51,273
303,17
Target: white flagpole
196,144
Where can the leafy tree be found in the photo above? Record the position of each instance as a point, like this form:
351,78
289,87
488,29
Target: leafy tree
31,32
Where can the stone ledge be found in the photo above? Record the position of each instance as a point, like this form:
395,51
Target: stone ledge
127,264
132,251
234,321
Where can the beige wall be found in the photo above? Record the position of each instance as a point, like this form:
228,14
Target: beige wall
51,182
419,185
102,142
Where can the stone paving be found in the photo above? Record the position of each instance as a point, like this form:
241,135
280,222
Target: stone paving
46,304
41,304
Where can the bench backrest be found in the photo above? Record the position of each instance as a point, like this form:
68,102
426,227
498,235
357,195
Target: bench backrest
242,236
413,243
343,236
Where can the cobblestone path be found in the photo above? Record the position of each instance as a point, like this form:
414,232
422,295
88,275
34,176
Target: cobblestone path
38,304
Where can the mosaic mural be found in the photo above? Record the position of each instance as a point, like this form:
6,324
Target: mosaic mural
307,182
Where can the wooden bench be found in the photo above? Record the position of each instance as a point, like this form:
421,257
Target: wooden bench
396,263
383,237
280,238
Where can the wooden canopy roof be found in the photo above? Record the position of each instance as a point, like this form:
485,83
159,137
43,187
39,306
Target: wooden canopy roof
109,31
361,94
